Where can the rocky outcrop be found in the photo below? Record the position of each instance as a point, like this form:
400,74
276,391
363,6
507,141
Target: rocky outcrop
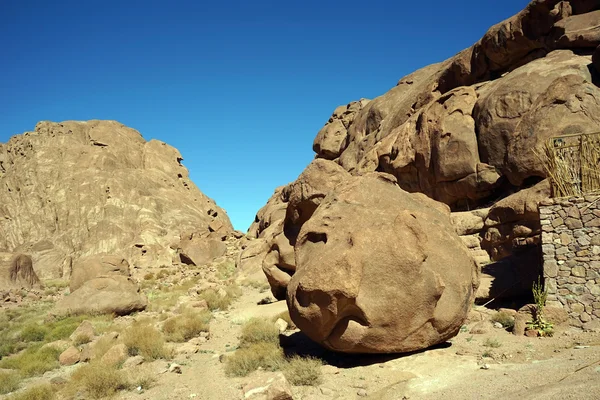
379,270
17,272
465,132
75,189
115,294
101,284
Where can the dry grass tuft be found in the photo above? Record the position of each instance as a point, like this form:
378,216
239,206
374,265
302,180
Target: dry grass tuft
186,326
145,340
40,392
98,380
303,371
216,301
258,330
268,356
9,381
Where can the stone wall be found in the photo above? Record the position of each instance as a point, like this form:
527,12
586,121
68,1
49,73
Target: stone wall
571,253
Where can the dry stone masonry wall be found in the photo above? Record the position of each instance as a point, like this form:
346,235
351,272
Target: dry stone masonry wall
571,252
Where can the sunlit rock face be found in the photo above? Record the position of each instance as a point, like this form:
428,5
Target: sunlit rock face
380,270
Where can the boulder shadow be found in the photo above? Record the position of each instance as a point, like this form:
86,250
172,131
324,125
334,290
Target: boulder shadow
300,344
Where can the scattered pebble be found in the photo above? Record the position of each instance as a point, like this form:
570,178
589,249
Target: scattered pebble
485,366
362,393
581,347
175,368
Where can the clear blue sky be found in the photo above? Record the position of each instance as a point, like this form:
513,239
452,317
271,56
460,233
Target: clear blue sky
239,87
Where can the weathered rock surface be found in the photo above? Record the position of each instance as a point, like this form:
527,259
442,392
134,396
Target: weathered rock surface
379,270
466,131
115,294
74,189
16,271
95,266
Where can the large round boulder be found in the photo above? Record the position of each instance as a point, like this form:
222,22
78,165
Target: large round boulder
380,270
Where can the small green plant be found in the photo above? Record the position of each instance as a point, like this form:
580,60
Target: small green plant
33,361
505,319
493,343
487,354
539,324
33,333
303,371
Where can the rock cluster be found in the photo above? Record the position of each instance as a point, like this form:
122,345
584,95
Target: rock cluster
571,252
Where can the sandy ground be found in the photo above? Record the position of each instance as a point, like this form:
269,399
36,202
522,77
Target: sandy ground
566,366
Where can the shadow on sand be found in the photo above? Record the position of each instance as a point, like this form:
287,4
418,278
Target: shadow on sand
300,344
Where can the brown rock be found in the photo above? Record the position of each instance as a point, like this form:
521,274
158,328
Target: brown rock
349,271
81,188
271,386
133,361
96,266
70,356
200,250
520,324
84,330
106,295
16,271
115,355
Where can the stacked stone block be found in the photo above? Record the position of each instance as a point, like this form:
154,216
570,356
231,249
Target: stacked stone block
571,252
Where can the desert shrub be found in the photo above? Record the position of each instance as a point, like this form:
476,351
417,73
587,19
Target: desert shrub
33,333
149,276
258,330
145,340
81,338
162,274
9,381
99,380
303,371
226,270
493,343
505,319
39,392
215,301
186,326
140,376
268,356
33,361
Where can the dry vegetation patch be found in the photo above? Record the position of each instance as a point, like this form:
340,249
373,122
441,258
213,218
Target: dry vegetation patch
145,340
39,392
98,380
9,381
33,361
186,326
303,371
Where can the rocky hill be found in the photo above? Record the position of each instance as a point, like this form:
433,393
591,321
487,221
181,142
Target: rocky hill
75,189
464,132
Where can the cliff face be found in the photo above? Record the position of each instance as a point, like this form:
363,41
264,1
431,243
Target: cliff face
74,189
465,132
